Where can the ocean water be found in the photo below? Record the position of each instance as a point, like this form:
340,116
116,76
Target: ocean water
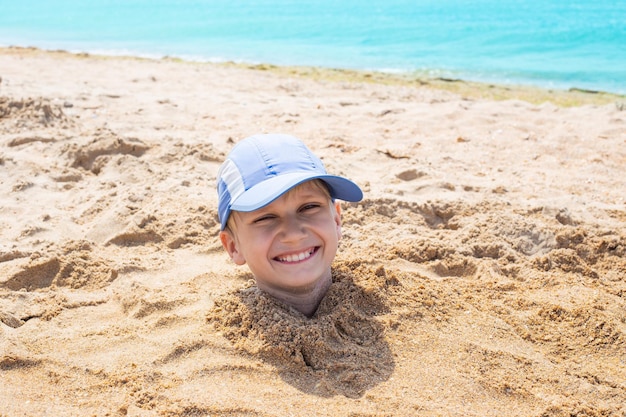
549,43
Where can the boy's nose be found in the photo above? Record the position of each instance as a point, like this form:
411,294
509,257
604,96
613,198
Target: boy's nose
292,229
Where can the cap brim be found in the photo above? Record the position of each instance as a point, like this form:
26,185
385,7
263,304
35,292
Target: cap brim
269,190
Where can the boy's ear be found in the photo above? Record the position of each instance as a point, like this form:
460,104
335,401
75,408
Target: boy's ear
338,219
230,244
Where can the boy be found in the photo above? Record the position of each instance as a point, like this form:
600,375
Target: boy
278,214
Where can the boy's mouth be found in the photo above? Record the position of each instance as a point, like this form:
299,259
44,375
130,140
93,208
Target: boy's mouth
297,257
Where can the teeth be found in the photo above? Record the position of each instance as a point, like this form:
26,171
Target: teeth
296,257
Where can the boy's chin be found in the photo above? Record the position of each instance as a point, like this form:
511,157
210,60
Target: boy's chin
298,286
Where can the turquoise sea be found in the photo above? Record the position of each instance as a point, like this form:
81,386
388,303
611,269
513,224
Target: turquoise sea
549,43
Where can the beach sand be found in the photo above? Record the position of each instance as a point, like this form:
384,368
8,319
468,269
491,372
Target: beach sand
484,273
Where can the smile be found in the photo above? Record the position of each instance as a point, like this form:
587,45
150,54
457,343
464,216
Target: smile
297,257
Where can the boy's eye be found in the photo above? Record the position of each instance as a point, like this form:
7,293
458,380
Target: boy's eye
263,218
310,206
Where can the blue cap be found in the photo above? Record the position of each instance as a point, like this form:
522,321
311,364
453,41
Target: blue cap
261,168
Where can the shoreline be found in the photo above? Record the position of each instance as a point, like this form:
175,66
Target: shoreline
470,89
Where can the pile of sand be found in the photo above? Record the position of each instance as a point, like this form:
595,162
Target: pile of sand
483,274
341,350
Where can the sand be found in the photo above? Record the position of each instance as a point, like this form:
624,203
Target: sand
484,273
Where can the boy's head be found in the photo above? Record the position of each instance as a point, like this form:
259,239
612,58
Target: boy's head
278,215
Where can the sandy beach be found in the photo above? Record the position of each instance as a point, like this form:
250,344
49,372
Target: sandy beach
484,273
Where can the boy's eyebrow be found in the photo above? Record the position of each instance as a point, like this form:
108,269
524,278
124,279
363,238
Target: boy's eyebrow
311,194
309,198
306,196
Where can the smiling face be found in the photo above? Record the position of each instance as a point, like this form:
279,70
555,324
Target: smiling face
289,245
